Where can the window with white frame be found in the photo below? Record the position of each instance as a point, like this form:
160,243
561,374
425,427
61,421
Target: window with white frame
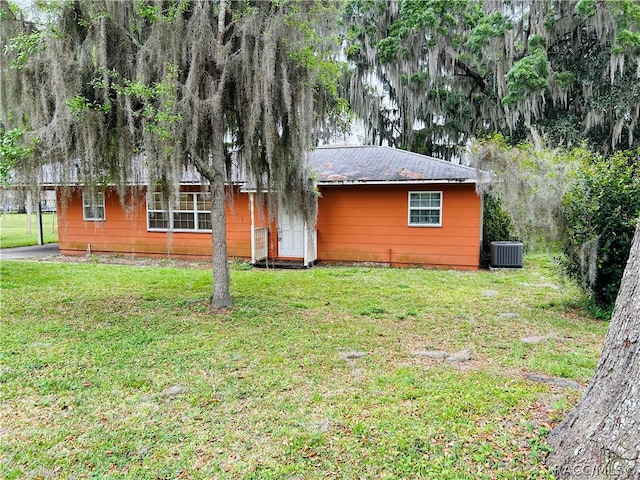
93,206
191,213
425,209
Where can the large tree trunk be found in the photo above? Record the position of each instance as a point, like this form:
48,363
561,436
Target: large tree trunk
600,438
221,294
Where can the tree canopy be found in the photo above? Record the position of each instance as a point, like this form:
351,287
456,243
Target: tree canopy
430,74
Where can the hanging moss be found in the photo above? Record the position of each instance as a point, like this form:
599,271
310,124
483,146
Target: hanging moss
514,65
133,92
124,79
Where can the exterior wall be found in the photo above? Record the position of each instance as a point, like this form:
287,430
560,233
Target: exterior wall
363,223
357,223
126,232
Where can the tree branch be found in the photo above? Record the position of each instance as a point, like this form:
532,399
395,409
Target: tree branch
469,72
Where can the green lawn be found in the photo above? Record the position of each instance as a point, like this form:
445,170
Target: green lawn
112,371
14,230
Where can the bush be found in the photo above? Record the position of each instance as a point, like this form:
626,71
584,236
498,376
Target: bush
497,226
601,209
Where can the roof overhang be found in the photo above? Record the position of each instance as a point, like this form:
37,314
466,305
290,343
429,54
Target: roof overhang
469,181
52,186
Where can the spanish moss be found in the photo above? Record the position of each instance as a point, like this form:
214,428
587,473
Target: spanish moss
132,93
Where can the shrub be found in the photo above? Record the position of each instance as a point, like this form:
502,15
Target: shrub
601,209
497,225
587,203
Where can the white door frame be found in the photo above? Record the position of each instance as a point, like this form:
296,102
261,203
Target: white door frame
291,235
306,243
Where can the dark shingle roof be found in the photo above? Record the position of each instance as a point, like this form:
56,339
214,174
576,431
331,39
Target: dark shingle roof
332,165
373,164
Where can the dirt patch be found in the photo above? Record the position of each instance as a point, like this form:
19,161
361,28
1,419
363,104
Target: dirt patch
555,381
458,357
130,260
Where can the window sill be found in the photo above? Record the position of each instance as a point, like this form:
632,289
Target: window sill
176,230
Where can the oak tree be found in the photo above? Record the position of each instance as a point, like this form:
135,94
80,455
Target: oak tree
132,92
430,74
599,438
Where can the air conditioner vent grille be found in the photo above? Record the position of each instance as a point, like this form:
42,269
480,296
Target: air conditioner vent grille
506,254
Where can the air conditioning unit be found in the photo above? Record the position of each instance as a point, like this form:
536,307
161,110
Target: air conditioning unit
506,255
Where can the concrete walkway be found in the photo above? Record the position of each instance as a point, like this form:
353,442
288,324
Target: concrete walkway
35,251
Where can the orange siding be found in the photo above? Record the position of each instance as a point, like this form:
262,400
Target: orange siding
363,223
355,224
126,232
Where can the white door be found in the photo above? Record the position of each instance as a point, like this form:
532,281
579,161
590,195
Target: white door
290,235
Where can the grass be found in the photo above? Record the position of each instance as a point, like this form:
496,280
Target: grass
14,230
112,371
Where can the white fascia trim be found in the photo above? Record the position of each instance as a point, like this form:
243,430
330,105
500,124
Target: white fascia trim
396,182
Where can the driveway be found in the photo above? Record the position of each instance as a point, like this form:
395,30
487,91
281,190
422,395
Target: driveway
35,251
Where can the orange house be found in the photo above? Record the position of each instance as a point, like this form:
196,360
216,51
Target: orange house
377,204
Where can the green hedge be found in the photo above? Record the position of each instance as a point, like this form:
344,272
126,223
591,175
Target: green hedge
496,226
601,209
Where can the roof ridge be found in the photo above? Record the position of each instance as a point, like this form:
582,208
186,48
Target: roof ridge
328,147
